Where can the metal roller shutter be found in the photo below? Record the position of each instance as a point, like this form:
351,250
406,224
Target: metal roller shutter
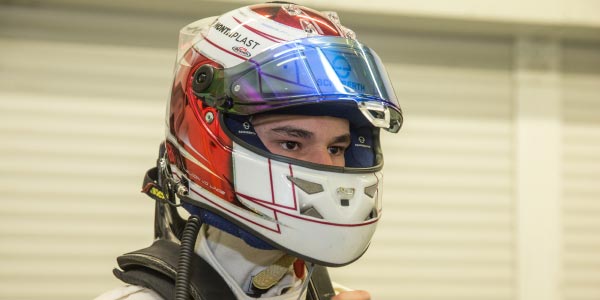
447,230
80,125
581,171
82,101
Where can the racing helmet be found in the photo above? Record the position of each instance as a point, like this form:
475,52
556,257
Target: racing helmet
278,58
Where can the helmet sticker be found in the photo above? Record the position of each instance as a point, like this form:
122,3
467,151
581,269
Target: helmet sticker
246,129
341,66
234,35
241,51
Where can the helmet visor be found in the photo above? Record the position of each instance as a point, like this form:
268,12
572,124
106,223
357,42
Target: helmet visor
311,70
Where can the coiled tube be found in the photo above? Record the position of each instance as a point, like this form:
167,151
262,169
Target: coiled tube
186,252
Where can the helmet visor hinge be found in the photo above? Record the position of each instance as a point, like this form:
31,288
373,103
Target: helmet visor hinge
377,113
205,86
202,78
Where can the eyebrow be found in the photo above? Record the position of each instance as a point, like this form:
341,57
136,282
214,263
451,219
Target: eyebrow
345,138
294,131
305,134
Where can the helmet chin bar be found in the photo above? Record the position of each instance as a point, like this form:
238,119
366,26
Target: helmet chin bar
338,235
323,216
275,245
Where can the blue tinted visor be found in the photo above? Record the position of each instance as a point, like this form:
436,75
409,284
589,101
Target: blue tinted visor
311,70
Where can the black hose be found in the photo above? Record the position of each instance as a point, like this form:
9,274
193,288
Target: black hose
186,252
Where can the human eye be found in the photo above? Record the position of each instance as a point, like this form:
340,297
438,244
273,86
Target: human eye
336,150
289,145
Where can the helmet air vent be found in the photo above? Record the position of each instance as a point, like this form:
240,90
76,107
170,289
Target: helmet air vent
311,212
372,215
370,190
306,186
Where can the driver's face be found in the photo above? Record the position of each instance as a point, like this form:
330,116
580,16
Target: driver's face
316,139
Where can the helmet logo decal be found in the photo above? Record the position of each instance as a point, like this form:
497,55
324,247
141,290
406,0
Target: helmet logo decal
241,51
356,86
247,129
205,184
342,67
238,37
362,142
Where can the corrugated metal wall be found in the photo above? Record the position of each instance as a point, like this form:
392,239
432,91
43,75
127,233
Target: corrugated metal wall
82,96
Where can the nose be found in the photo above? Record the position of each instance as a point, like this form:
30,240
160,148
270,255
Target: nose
320,157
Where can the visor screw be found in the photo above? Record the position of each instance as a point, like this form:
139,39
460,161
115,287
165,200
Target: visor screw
292,9
237,88
202,78
182,190
349,33
333,16
209,117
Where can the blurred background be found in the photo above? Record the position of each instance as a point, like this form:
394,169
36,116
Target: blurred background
492,188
